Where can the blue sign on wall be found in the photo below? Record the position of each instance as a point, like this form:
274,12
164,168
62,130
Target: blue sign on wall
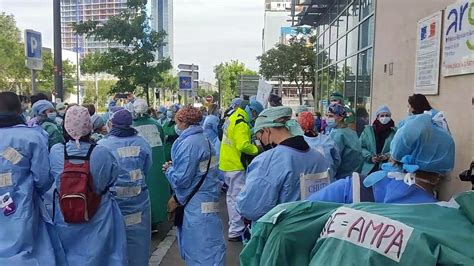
185,83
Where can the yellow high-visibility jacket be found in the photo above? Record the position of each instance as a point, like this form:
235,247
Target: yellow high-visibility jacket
235,141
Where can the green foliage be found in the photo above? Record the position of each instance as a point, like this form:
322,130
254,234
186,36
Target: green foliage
294,62
134,44
228,73
13,72
104,87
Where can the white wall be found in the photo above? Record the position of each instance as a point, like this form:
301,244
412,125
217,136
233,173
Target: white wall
395,42
274,20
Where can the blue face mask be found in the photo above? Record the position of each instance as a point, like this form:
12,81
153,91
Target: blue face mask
169,114
52,116
177,130
331,122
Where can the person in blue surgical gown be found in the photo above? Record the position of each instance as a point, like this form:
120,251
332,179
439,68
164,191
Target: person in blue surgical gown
102,240
134,157
201,236
26,233
422,153
273,177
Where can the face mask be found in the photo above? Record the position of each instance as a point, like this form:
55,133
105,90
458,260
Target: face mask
177,130
61,113
169,114
384,120
331,121
52,116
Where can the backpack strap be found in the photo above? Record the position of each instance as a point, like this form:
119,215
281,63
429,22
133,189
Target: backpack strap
198,186
84,158
360,193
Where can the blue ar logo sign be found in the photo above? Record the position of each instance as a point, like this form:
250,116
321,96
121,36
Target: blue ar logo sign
457,23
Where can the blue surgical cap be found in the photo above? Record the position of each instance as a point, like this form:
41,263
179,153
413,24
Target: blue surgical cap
40,107
422,145
383,109
236,102
121,117
97,121
163,109
256,106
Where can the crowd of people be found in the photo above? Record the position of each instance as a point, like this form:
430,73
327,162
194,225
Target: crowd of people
80,188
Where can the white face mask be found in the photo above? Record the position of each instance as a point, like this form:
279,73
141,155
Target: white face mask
384,120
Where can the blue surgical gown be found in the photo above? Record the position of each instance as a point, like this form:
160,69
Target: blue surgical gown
211,124
201,237
102,240
133,155
350,150
328,148
27,234
273,178
386,190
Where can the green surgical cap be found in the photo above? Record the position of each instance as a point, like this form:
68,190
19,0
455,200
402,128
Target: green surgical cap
268,117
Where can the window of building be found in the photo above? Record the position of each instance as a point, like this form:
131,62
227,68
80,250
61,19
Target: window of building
352,41
366,8
341,48
366,33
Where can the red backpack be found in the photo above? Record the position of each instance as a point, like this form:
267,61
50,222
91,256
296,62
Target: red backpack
77,199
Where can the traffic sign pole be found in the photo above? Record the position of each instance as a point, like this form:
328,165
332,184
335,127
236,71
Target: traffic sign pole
33,82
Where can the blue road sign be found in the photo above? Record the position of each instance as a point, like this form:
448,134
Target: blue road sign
185,83
33,47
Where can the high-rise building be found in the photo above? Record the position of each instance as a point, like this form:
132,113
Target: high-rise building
162,20
84,10
277,15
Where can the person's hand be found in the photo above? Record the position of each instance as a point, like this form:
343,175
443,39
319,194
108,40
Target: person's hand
375,159
166,166
383,158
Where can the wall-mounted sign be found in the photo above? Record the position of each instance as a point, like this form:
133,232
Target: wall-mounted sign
428,51
459,38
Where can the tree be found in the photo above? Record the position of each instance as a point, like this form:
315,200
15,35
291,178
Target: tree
134,45
294,62
168,83
13,72
229,73
104,86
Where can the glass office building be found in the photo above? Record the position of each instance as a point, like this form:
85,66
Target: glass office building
344,47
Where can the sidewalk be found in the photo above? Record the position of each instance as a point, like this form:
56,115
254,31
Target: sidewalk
167,253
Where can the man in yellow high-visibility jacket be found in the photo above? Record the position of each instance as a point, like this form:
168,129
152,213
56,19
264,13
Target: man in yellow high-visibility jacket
236,143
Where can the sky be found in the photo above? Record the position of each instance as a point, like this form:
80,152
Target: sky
206,32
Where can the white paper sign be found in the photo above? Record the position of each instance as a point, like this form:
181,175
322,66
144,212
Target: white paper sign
132,219
459,38
428,50
380,234
264,91
12,155
125,152
311,183
151,134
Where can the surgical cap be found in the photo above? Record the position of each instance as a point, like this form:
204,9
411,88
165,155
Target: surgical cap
77,123
383,109
337,109
255,106
97,121
306,121
422,145
336,96
121,117
268,119
300,109
236,102
174,108
140,106
41,106
189,115
163,110
60,106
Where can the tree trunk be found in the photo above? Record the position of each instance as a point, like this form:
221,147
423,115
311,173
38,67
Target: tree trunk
147,92
301,92
300,96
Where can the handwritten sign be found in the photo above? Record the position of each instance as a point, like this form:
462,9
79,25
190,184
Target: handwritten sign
151,134
380,234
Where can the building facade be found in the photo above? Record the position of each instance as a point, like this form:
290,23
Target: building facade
84,10
162,20
366,50
277,16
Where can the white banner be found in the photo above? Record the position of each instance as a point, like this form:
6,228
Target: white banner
459,39
264,91
428,50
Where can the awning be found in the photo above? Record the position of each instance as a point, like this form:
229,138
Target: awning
309,12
